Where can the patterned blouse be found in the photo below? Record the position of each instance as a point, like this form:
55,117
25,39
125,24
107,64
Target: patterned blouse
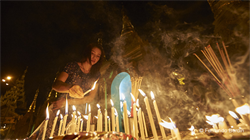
76,76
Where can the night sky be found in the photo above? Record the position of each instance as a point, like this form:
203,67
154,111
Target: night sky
46,35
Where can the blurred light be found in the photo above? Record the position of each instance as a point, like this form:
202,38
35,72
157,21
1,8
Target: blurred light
7,84
8,77
3,80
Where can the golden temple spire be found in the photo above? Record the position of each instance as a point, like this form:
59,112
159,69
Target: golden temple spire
33,104
127,27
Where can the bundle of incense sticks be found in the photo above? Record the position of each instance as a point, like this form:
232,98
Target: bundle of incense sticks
226,74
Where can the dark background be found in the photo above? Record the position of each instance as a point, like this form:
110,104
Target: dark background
46,35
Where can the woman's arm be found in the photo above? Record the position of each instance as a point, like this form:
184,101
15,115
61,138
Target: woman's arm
85,99
59,85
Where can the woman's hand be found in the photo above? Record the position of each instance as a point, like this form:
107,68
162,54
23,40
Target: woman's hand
76,91
59,104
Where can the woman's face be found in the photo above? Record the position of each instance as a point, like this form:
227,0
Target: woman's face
95,55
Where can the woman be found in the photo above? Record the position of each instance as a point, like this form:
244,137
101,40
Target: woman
75,79
78,77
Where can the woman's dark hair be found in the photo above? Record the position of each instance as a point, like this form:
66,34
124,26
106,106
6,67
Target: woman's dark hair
95,69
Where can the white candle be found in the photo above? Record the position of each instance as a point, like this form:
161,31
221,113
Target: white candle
126,124
65,117
78,121
158,115
174,131
73,120
99,118
112,115
81,126
89,118
135,116
109,124
117,122
60,125
54,124
105,120
144,123
151,121
141,124
46,123
101,122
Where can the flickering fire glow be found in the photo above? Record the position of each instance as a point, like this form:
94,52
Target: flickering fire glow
152,95
233,115
47,113
98,106
192,130
142,93
94,85
57,112
244,109
112,104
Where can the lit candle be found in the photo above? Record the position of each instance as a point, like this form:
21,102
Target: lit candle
141,124
231,120
109,124
213,120
144,123
93,87
99,118
105,120
117,122
158,115
65,117
192,130
46,122
244,110
174,131
125,115
73,119
54,125
81,126
88,122
149,115
112,115
60,125
78,121
135,116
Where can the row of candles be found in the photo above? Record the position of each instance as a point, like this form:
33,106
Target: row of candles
138,118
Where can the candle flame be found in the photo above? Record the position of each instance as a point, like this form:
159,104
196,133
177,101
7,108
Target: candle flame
66,106
79,113
215,118
108,117
192,130
122,96
61,116
94,85
89,108
137,103
152,95
47,112
116,113
128,113
112,104
57,112
98,106
96,117
233,115
142,93
244,109
168,125
74,108
85,117
132,97
81,120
